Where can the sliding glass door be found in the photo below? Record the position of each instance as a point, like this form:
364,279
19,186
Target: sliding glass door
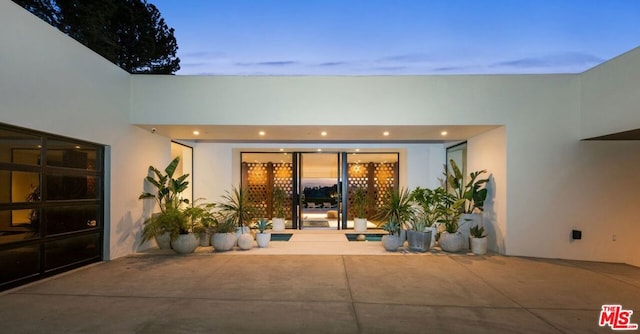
319,186
319,176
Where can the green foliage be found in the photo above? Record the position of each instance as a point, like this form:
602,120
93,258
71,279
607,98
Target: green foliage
130,33
200,217
237,206
360,199
168,189
262,225
279,197
451,211
432,205
173,221
396,207
172,217
477,231
391,226
225,225
473,192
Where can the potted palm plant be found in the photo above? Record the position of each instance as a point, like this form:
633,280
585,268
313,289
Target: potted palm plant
262,237
430,211
473,193
279,197
397,208
237,207
167,197
360,199
451,239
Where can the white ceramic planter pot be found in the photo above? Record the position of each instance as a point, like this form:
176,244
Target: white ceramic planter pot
451,242
263,239
391,243
185,243
465,222
223,242
278,224
245,241
360,225
205,239
479,245
164,240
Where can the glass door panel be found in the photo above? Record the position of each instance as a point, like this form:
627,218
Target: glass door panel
319,200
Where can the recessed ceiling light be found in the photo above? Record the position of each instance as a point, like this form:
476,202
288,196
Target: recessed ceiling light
323,133
196,132
444,133
386,133
319,150
262,133
282,149
357,150
77,147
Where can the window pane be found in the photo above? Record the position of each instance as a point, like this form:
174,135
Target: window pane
72,250
18,225
71,155
71,187
16,187
19,147
71,218
19,263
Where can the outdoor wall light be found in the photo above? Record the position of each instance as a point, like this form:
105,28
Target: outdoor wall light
576,234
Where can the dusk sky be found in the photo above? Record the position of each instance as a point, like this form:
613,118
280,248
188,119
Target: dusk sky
378,37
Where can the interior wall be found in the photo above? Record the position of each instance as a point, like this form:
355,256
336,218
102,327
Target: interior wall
488,151
51,83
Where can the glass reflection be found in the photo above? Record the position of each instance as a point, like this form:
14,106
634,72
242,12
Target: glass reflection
20,148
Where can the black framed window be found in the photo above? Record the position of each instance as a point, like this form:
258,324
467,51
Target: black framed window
51,204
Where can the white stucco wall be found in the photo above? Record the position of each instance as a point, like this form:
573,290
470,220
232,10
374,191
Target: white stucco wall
609,98
488,151
50,83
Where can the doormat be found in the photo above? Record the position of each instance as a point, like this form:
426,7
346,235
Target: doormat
316,223
281,236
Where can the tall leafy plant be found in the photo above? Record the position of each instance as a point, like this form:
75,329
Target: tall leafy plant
236,206
396,207
360,199
432,203
474,192
279,196
167,195
168,188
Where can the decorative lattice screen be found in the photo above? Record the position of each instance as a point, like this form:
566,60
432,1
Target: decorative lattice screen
261,178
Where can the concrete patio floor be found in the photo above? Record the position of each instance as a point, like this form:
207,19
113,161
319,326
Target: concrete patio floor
408,293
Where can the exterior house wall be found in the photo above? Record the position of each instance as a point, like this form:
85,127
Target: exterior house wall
552,180
51,83
609,96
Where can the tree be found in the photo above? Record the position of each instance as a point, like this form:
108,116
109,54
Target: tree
130,33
